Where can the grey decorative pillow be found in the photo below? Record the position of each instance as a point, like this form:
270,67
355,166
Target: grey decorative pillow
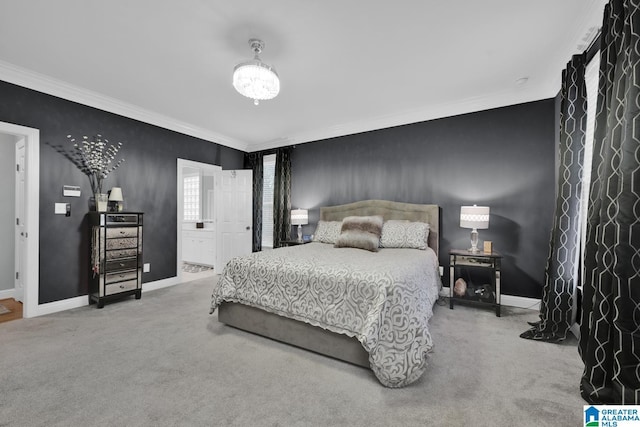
361,232
327,231
412,235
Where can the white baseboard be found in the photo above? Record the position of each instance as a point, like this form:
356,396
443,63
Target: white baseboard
159,284
508,300
7,293
62,305
520,302
81,301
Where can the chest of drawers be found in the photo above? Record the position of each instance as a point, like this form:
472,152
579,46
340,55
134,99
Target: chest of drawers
116,256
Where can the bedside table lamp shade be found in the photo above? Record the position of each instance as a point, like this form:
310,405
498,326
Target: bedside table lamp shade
299,217
474,217
115,195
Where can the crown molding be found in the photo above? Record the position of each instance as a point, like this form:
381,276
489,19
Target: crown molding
465,106
590,19
42,83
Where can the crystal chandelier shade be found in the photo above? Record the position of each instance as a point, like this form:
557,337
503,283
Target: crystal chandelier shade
255,79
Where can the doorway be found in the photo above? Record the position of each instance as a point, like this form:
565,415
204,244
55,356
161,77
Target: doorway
10,284
196,220
214,217
23,214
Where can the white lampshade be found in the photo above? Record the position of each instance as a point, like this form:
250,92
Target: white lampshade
299,217
476,217
116,195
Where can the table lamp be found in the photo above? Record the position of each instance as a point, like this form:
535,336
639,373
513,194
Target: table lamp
115,195
474,217
299,217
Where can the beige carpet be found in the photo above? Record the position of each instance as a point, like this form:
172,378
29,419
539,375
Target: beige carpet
164,361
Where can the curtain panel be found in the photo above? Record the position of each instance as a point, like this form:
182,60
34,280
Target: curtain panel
254,161
282,197
561,272
610,329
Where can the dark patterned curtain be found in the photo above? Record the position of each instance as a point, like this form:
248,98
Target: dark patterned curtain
282,197
254,161
561,272
610,328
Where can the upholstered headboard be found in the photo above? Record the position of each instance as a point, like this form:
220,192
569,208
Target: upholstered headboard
390,210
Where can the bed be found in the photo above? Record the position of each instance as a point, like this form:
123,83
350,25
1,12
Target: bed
370,308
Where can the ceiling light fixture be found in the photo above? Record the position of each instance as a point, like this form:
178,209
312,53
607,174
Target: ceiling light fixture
255,79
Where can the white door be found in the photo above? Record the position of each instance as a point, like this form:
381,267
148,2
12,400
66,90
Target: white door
234,202
20,234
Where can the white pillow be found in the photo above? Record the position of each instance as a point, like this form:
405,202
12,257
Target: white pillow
412,235
327,231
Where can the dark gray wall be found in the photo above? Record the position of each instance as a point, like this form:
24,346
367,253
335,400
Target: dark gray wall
148,180
503,158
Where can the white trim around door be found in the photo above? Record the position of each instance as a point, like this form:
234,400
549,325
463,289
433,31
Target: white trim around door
31,273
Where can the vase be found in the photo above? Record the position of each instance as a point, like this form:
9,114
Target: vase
102,201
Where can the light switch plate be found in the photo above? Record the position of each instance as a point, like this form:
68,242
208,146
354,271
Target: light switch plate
61,209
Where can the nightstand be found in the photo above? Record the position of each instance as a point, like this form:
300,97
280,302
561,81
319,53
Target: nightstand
470,263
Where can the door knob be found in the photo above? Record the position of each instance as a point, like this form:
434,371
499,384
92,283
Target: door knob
248,228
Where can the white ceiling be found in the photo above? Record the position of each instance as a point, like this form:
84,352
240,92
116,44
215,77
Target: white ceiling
345,66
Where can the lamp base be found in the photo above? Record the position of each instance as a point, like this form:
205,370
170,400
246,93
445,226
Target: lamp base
474,241
299,234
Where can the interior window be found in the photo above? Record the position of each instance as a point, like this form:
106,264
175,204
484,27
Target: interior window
191,192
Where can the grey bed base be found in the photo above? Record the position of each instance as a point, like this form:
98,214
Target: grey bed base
293,332
313,338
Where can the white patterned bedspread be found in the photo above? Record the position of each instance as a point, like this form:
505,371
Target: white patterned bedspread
384,298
